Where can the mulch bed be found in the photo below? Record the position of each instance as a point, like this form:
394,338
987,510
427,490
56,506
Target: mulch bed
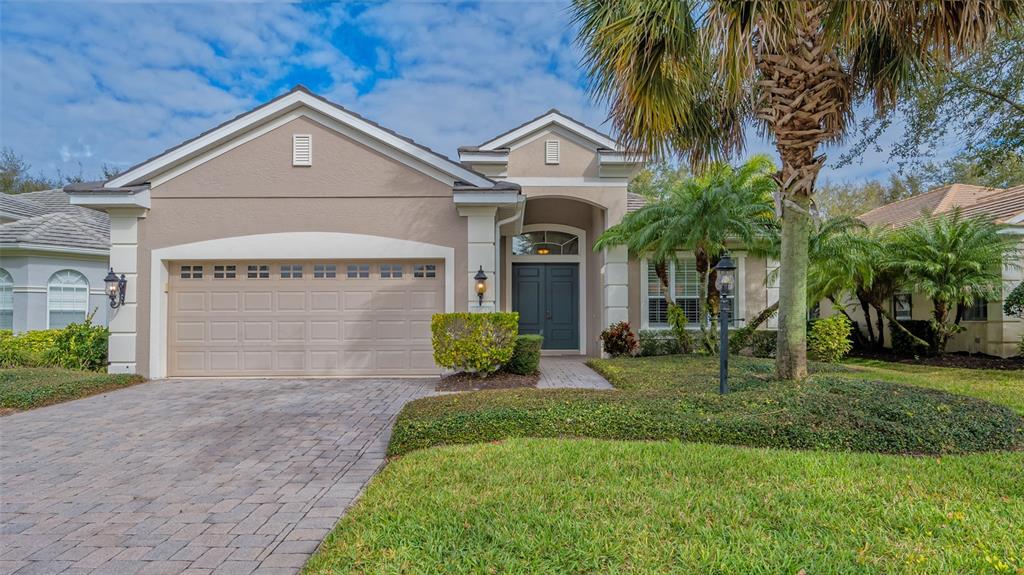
463,381
953,359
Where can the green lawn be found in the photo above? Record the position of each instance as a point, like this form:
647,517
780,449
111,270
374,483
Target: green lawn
30,387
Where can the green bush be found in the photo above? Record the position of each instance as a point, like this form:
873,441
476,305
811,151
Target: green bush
526,357
825,412
29,349
829,340
678,321
1014,304
903,345
763,343
474,342
618,340
655,342
80,346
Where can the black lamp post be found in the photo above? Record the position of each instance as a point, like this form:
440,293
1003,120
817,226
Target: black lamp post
725,279
116,288
481,284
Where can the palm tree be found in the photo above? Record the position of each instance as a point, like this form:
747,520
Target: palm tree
687,76
954,261
701,214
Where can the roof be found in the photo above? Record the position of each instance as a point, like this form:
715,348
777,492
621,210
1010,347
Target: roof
930,203
1004,206
634,202
50,220
552,116
296,97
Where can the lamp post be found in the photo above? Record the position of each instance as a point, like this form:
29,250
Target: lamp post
116,288
725,278
481,284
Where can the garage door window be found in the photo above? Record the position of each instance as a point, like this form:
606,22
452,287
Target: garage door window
424,271
291,271
325,271
224,272
356,271
191,272
260,272
390,271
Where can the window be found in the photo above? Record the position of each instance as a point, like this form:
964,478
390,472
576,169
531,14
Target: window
685,289
291,271
325,271
191,272
6,300
902,306
976,312
546,243
224,272
424,271
67,298
302,150
390,270
551,152
358,271
258,272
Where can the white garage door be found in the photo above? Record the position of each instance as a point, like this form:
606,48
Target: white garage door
302,317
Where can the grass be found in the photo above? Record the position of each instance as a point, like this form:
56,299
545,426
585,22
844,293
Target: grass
31,387
588,506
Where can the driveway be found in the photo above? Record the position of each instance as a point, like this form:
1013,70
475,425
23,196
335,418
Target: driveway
196,476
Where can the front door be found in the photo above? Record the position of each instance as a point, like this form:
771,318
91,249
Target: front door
547,297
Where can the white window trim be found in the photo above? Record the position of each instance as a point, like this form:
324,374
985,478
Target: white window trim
740,297
50,284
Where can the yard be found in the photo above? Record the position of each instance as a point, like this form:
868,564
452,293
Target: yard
547,503
30,387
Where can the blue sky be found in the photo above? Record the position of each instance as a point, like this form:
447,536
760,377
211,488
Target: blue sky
87,84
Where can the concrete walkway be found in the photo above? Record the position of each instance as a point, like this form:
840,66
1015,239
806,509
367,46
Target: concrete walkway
569,371
190,476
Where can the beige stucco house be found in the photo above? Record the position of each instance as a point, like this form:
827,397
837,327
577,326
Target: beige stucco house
302,239
987,329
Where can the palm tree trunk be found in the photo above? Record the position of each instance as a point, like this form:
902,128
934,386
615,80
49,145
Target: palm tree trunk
791,353
881,328
701,263
866,308
942,332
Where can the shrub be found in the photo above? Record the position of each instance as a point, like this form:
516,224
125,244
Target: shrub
32,348
825,412
655,342
763,343
829,339
80,346
1014,304
474,342
678,321
618,340
903,345
526,357
12,352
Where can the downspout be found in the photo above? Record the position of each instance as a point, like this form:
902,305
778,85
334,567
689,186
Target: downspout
498,264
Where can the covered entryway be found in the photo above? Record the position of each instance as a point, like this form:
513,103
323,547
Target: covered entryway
302,317
546,295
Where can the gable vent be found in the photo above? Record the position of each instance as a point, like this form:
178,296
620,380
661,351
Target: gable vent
302,150
551,152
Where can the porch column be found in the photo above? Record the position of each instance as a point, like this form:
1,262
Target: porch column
124,240
481,253
615,279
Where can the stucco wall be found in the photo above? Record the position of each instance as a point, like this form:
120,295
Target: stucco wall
577,158
254,189
31,275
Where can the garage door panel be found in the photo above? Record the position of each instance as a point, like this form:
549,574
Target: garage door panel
267,324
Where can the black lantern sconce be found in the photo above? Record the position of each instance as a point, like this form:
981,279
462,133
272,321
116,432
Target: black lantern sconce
481,284
116,288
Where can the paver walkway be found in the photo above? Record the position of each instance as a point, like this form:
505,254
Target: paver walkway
190,476
569,371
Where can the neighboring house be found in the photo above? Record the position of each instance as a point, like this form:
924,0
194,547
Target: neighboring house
302,239
987,329
53,258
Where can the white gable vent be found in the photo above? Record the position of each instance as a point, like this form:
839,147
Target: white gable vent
551,152
302,150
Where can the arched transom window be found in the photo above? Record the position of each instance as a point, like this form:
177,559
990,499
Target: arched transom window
67,298
6,300
546,243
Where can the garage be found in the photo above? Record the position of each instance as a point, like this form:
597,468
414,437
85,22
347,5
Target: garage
302,317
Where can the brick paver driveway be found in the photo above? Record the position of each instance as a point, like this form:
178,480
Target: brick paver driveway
196,476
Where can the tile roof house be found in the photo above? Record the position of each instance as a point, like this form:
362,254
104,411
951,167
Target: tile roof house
54,259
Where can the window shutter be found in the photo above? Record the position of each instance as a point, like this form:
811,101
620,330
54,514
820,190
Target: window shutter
302,150
551,152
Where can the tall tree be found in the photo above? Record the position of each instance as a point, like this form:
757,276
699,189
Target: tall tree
687,76
16,177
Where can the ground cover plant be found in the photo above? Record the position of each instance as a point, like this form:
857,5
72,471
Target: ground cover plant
27,388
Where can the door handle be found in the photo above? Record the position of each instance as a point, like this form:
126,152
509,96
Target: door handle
547,315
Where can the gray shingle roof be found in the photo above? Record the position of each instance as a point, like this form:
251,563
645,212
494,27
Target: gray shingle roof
48,218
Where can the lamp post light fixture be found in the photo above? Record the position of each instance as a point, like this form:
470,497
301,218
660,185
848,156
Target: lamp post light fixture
116,288
725,280
481,284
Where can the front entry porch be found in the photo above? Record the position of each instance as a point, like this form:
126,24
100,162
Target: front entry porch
547,297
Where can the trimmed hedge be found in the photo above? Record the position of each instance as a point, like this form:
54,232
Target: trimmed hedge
829,338
526,357
474,342
825,413
81,346
654,342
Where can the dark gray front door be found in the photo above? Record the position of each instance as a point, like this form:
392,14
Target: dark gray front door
547,297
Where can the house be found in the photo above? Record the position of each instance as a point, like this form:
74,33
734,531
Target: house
53,258
302,239
987,329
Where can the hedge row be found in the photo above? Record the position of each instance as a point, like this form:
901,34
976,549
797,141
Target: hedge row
80,346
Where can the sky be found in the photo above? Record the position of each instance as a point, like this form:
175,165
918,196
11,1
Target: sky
83,85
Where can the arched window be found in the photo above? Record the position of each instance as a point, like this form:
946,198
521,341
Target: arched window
67,298
6,300
544,243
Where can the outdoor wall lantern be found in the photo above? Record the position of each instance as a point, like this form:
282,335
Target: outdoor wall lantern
481,284
116,288
725,281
